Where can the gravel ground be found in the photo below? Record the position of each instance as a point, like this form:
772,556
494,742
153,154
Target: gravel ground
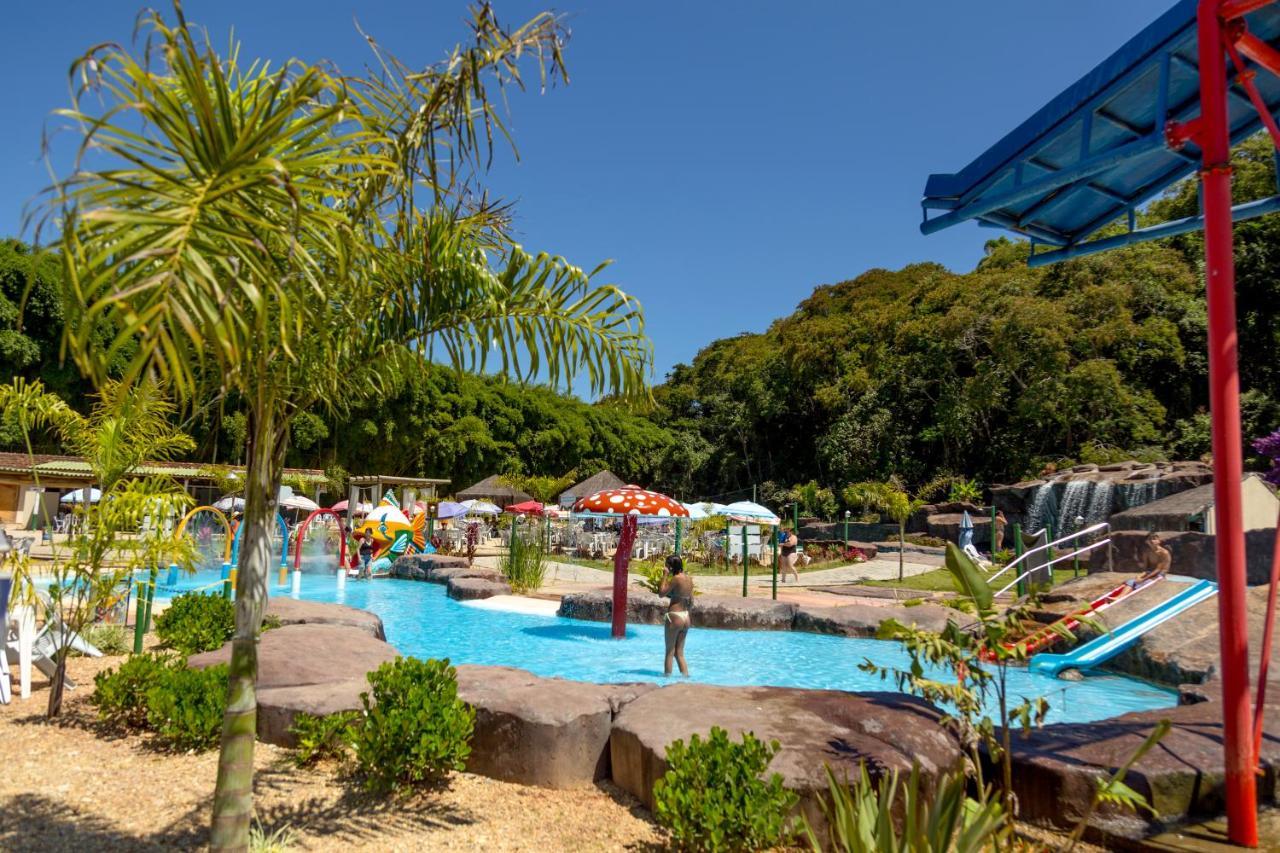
71,786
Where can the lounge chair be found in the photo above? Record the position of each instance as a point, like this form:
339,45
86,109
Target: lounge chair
39,648
6,690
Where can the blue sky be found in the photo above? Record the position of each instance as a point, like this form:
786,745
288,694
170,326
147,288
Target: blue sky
728,156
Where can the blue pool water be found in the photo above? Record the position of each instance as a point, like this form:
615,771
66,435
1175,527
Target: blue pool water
421,620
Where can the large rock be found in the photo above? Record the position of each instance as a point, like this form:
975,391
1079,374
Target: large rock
863,620
643,607
1192,553
1057,768
726,611
444,574
541,731
291,611
312,668
471,589
813,727
418,567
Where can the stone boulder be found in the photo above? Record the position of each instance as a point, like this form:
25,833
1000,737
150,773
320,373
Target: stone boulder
312,668
541,731
419,567
291,611
470,589
726,611
1056,769
863,620
643,607
444,574
813,727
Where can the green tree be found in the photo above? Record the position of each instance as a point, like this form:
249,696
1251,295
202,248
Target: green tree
256,228
892,498
121,533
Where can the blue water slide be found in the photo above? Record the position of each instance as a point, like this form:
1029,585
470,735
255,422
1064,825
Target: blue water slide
1098,651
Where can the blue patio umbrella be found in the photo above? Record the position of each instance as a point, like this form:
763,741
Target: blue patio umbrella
966,530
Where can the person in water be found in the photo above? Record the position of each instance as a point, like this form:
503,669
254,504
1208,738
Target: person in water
678,587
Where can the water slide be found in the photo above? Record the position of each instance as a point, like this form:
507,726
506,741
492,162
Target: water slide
1102,649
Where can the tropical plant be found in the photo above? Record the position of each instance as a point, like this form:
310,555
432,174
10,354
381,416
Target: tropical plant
415,730
963,669
120,693
185,706
525,563
320,738
196,622
870,817
813,499
120,534
254,228
111,640
964,491
714,795
279,840
891,498
542,488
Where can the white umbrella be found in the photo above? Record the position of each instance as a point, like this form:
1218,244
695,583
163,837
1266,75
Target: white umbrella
230,504
477,507
77,497
751,511
696,512
299,502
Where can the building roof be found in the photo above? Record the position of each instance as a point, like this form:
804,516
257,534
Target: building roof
1097,151
387,480
597,482
75,467
1183,504
493,487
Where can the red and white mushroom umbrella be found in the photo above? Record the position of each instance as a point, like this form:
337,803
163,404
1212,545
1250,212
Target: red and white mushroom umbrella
630,502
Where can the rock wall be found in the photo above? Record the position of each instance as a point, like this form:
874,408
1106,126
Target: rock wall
1193,553
1125,485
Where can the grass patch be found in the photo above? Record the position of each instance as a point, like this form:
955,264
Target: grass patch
939,580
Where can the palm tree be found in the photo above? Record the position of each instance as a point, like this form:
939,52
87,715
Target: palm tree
127,425
255,230
891,498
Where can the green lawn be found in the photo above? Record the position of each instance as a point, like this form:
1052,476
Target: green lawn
939,580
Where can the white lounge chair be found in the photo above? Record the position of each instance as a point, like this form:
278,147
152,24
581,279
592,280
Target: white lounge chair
39,648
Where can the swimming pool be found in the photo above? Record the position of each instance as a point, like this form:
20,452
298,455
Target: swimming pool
421,620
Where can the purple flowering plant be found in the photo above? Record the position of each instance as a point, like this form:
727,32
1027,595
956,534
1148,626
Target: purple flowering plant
1269,446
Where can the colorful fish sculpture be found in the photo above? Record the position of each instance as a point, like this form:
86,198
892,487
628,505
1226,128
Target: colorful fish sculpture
393,534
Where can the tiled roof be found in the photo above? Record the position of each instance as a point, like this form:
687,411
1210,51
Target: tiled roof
75,466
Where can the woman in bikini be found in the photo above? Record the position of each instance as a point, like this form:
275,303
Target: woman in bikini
678,587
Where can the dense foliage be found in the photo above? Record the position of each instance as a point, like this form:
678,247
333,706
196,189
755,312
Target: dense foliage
415,730
321,738
159,693
714,795
990,374
120,693
195,622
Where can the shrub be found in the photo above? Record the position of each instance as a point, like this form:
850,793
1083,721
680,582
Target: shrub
185,706
415,729
111,640
261,841
713,797
120,694
863,817
525,564
322,737
654,574
925,540
195,622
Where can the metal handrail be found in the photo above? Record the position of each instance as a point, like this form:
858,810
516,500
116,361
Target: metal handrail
1104,525
1073,554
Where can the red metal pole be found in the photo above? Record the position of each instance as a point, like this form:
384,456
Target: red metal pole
1224,401
621,558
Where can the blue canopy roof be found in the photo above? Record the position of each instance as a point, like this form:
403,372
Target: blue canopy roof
1097,151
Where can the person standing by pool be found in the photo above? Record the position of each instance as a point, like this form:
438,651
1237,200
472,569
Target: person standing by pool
678,587
789,556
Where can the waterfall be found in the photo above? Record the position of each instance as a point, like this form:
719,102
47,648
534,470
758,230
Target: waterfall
1099,508
1141,492
1075,502
1043,508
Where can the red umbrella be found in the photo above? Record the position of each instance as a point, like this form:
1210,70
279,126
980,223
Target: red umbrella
630,502
526,508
